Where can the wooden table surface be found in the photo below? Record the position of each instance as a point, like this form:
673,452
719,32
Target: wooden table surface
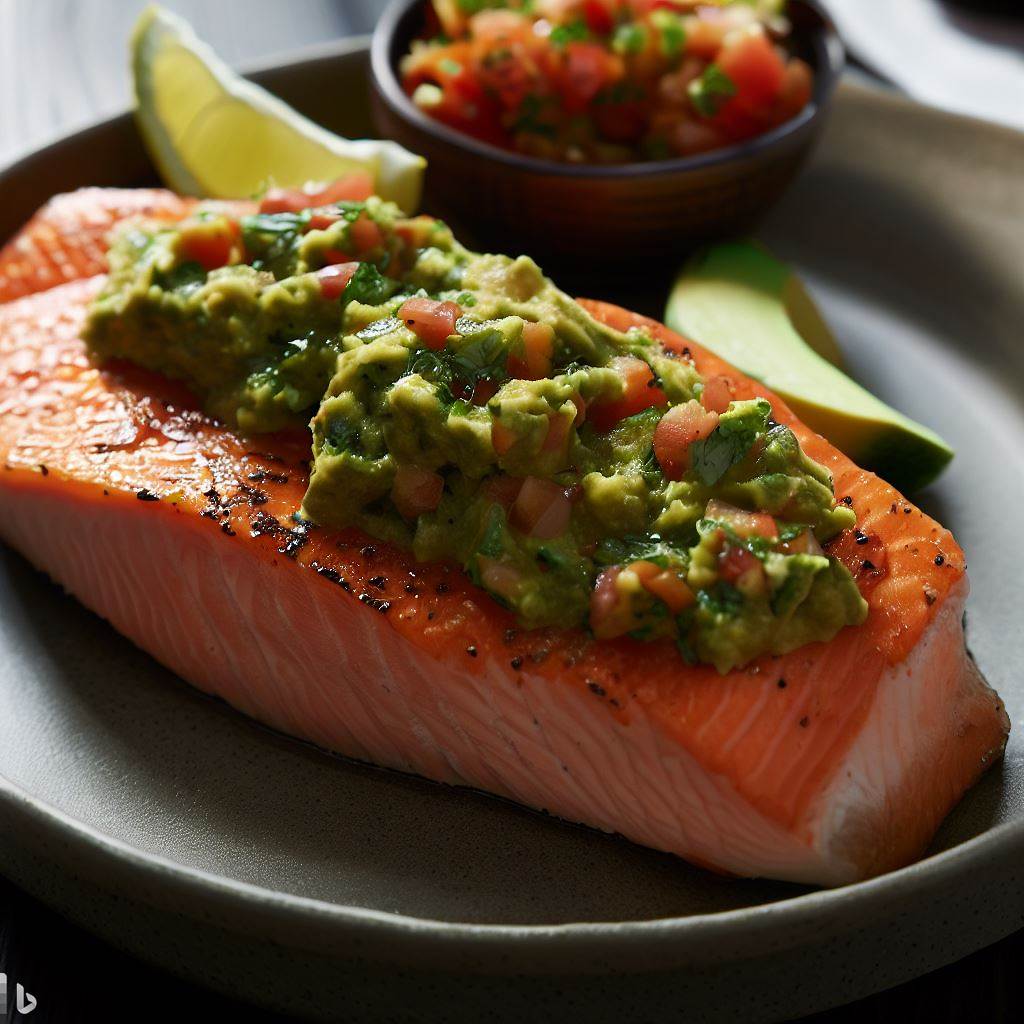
62,65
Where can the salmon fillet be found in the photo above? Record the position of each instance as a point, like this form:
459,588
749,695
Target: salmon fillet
827,765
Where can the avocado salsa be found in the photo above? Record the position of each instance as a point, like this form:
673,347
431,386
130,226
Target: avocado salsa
465,408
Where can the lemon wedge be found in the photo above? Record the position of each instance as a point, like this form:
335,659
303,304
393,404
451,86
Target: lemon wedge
212,133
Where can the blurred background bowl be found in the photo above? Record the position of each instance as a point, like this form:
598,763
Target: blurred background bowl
574,216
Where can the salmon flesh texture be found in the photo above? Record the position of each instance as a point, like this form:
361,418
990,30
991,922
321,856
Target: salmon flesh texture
830,764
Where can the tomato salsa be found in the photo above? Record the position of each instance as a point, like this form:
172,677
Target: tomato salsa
607,81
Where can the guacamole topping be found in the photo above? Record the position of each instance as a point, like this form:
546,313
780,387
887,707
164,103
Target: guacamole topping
465,408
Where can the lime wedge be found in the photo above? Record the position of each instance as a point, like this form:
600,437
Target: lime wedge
212,133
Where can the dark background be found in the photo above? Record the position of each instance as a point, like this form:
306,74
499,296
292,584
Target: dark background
62,66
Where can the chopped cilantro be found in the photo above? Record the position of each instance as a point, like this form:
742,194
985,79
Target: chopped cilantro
711,90
629,38
573,32
342,436
184,275
369,286
671,31
729,442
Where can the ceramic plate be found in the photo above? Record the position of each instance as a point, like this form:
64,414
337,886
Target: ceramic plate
194,838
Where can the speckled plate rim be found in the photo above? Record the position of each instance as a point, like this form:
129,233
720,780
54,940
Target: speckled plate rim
580,947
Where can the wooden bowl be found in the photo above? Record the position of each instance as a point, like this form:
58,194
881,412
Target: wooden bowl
584,214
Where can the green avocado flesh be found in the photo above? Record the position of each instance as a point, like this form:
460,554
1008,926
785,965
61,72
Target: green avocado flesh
463,407
747,307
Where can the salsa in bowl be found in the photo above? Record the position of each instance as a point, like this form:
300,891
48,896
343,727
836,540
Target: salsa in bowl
573,212
607,81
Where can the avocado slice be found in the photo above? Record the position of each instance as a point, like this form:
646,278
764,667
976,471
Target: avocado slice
740,302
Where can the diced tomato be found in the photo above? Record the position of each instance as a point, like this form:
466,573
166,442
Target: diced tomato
355,187
673,591
796,90
607,611
587,69
639,393
211,243
581,410
503,439
483,391
416,232
416,491
734,123
431,321
463,103
753,64
704,34
322,221
741,568
330,256
689,137
335,278
743,523
717,394
611,612
365,234
600,15
802,544
679,428
558,433
665,585
503,490
508,75
538,346
498,578
644,570
286,200
542,509
498,26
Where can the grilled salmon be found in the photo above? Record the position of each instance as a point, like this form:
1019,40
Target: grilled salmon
826,765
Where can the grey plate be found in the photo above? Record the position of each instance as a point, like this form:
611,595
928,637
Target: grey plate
191,836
